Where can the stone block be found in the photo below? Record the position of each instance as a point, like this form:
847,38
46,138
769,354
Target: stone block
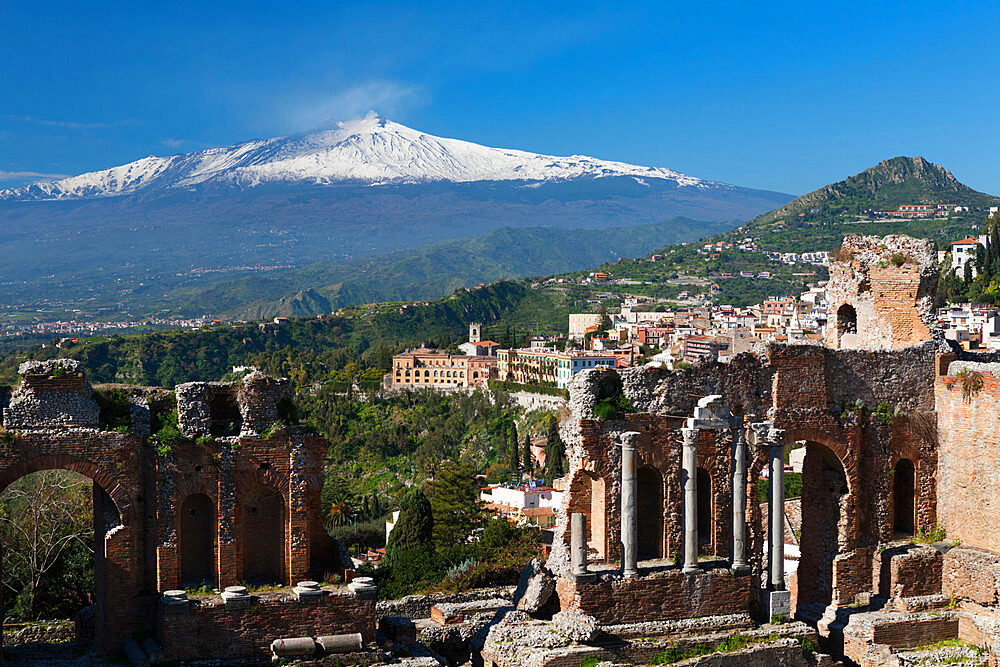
293,647
398,629
776,604
576,626
340,643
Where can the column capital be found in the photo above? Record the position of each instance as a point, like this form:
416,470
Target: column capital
689,436
764,433
628,439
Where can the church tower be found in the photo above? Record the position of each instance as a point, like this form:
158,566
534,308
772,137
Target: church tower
475,332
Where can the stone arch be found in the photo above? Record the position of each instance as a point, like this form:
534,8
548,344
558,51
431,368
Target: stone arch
590,499
264,519
706,517
827,530
904,477
197,537
847,326
847,319
650,505
117,550
107,481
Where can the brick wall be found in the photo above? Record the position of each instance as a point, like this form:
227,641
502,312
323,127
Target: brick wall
665,595
907,571
971,574
218,632
968,474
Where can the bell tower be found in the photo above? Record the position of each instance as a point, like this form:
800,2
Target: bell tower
475,332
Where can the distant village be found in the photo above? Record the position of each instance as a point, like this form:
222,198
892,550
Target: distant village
643,331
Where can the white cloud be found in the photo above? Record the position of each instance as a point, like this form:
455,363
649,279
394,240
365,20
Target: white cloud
69,124
389,98
25,175
170,142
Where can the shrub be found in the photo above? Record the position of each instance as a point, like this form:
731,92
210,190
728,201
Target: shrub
612,407
115,409
972,383
935,534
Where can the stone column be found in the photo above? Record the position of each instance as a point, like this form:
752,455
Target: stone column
689,461
578,546
740,565
630,535
776,580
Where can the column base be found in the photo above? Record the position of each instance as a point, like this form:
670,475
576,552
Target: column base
631,574
691,569
583,577
776,604
740,570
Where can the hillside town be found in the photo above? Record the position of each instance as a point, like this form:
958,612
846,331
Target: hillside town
643,331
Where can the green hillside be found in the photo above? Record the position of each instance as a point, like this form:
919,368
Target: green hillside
431,271
884,187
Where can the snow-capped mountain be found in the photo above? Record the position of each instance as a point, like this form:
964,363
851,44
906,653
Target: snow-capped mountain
371,150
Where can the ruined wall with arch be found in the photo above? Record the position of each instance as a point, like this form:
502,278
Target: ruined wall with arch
173,515
859,411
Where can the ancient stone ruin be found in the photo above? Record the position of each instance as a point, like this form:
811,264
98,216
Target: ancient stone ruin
662,549
663,538
236,499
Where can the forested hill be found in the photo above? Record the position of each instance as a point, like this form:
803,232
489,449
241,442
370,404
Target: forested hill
886,186
434,270
306,349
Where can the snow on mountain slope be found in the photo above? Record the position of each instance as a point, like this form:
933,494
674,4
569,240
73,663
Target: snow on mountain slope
369,150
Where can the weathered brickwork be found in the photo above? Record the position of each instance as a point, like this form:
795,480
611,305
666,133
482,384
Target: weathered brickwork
968,478
881,293
972,574
869,427
217,631
907,571
663,595
211,508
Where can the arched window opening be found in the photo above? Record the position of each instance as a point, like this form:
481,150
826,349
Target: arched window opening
825,500
197,540
649,490
264,538
847,319
704,507
903,479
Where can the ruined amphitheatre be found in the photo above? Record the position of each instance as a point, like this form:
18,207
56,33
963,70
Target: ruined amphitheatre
661,546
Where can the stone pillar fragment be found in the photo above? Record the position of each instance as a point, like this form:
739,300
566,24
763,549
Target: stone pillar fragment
739,565
629,526
689,462
578,546
776,512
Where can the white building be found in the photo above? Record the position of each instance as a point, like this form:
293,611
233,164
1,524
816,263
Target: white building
580,322
961,253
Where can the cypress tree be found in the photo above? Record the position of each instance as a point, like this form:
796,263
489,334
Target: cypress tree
455,502
555,450
415,527
512,440
526,452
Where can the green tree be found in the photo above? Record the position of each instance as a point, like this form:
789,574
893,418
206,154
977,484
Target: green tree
415,527
46,532
454,498
512,444
526,452
555,451
605,322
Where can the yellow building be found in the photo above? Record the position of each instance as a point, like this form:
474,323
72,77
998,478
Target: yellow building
425,367
547,367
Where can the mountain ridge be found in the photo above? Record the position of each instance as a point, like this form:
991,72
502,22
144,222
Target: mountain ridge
888,184
371,150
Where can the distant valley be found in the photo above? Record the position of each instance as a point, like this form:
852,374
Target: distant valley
122,238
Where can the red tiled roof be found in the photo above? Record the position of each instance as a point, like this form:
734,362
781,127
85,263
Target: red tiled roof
965,241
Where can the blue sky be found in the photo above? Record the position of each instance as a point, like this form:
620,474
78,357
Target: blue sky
782,96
